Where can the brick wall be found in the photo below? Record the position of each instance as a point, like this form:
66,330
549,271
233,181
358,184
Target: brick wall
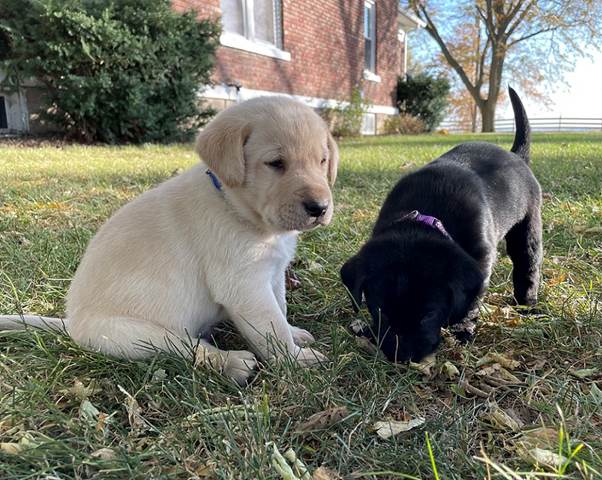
325,40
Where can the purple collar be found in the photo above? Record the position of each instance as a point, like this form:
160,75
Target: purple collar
216,183
432,222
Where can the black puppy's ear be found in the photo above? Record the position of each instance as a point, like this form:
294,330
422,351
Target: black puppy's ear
466,286
353,276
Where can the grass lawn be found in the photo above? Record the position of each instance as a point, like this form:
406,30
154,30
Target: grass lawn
68,413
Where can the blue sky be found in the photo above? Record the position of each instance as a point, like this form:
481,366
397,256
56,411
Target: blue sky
581,97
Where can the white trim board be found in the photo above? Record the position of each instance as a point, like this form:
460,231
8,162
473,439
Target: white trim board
238,42
223,92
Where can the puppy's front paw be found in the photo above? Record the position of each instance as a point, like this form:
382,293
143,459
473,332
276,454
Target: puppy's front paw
301,337
307,357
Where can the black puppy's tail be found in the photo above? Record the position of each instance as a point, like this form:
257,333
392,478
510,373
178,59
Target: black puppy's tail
522,137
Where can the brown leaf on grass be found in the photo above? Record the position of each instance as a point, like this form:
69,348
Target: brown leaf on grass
81,391
542,437
10,448
499,373
15,448
199,469
541,456
102,422
500,419
323,473
133,408
450,370
426,366
323,419
596,393
390,428
104,454
557,279
504,361
88,412
583,372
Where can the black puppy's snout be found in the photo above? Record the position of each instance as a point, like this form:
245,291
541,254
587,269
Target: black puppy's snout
315,208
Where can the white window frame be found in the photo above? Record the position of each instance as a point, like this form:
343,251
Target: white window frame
370,71
248,43
368,124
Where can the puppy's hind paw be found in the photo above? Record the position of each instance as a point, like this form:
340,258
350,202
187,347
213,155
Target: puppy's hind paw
308,357
235,364
239,365
301,337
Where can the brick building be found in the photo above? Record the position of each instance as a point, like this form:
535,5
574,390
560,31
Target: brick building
314,50
317,51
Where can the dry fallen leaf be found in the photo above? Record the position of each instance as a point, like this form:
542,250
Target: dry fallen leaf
10,448
323,473
104,454
596,393
541,437
323,419
134,417
426,365
80,391
540,456
500,419
88,412
390,428
557,279
450,370
493,357
583,372
15,448
296,471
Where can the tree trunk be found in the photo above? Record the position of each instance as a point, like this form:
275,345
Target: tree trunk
488,116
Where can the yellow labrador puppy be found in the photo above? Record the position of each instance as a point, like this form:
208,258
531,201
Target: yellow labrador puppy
210,244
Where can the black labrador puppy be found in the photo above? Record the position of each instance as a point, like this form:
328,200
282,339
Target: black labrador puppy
434,244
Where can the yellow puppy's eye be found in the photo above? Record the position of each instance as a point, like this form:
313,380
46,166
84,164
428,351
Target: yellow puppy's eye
323,161
277,164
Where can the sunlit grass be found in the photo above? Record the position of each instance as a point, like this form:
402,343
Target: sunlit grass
52,200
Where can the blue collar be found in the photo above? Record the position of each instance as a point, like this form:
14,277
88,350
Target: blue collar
216,183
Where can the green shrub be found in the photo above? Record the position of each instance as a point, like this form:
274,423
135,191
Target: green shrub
404,124
346,120
423,97
115,71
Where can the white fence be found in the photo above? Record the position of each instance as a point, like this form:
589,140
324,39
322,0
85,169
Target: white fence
559,124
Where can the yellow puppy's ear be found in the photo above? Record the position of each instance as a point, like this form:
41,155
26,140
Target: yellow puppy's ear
333,159
220,146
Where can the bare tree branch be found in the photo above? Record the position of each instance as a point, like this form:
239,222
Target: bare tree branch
479,82
520,18
432,30
531,35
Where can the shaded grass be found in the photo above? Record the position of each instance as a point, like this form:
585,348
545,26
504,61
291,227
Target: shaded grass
52,200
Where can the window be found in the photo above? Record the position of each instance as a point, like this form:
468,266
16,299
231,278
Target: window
253,25
368,124
370,36
3,117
